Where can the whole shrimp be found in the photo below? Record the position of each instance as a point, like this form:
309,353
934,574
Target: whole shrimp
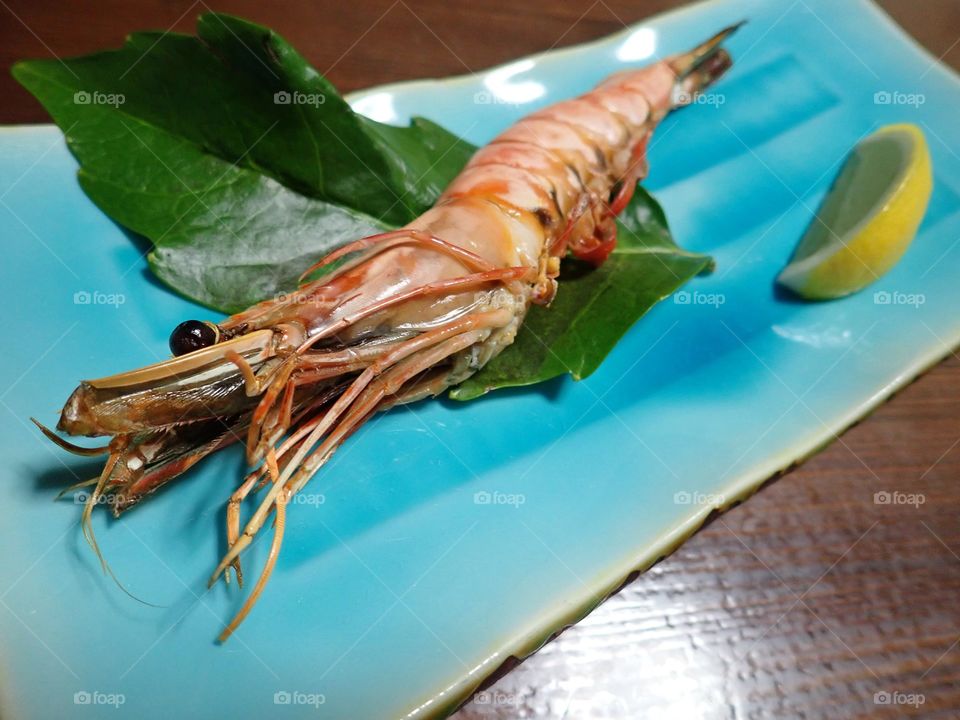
405,315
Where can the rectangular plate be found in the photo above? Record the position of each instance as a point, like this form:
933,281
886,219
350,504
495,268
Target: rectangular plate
444,537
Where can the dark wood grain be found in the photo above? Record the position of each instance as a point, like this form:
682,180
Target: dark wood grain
803,602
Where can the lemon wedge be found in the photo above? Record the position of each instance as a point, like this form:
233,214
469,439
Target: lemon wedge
869,217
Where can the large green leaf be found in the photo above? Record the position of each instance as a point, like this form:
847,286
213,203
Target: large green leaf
234,156
223,235
594,307
243,94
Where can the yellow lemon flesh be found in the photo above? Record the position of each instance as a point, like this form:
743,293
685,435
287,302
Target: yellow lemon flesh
868,219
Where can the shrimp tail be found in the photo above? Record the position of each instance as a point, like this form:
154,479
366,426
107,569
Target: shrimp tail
702,66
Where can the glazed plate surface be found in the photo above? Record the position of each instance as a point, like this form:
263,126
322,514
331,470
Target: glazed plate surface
445,537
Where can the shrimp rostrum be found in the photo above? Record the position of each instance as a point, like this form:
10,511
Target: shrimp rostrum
402,316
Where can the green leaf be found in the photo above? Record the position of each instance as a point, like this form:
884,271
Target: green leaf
224,235
594,307
191,143
392,173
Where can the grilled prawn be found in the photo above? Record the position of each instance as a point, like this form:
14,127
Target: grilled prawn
404,315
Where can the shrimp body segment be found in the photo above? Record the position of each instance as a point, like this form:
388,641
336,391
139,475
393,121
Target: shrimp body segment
404,316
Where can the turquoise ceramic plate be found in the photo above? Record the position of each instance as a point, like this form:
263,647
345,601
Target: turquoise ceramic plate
445,538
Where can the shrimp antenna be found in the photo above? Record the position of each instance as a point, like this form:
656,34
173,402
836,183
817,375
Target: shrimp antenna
76,486
86,526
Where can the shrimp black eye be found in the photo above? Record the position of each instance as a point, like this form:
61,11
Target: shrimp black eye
192,335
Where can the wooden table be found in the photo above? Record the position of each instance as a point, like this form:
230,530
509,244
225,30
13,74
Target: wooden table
805,601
